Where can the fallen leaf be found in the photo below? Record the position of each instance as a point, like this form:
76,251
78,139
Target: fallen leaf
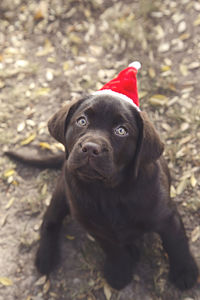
43,91
44,145
28,140
4,219
107,292
184,126
194,65
44,189
158,100
9,173
10,203
193,181
65,66
2,84
142,94
152,72
42,11
21,127
70,237
164,47
46,287
195,234
6,281
185,140
41,280
197,21
181,186
165,68
172,192
90,237
182,27
48,48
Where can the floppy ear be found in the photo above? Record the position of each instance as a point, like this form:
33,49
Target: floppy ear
149,146
58,123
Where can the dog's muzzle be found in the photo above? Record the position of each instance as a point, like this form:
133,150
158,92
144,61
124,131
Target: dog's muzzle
92,158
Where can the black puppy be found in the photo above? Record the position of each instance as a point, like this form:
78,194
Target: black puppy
116,183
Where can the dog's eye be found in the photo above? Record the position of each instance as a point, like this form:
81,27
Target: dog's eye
121,131
81,121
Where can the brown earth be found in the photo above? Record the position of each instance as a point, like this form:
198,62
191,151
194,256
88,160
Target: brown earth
54,50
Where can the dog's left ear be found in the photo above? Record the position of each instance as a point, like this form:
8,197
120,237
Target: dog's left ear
58,123
149,146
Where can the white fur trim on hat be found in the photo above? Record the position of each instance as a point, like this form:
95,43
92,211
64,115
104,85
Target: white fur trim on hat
112,93
135,64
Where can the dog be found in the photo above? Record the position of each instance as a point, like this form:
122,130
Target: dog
116,184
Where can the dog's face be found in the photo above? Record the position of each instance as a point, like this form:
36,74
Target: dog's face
104,137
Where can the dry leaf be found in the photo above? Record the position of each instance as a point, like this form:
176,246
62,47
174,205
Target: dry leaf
9,173
44,145
4,219
107,292
172,192
185,140
90,237
193,181
43,91
10,203
164,47
21,127
184,36
194,65
65,66
197,21
44,189
70,237
152,73
181,152
184,126
42,11
182,185
6,281
142,94
160,33
48,48
195,234
46,287
166,127
165,68
41,280
28,140
158,100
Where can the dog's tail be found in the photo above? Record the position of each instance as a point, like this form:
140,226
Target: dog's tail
54,161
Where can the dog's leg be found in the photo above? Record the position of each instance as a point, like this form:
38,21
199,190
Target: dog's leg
183,269
47,256
118,268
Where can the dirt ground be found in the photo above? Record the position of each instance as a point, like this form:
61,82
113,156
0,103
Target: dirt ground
54,50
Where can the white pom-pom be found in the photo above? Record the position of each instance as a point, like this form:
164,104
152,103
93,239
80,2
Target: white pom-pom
135,64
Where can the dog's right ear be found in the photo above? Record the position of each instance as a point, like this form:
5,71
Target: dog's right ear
58,123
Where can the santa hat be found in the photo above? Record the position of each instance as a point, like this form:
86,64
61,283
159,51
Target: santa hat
124,85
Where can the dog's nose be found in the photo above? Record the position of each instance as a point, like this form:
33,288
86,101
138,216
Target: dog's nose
91,148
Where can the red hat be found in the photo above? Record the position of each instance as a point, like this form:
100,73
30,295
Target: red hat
124,85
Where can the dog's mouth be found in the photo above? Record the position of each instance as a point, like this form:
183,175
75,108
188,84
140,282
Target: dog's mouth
88,169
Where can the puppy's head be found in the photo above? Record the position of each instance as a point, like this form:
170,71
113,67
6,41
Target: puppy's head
104,138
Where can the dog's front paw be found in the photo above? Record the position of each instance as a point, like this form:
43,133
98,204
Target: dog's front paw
186,276
118,274
46,259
